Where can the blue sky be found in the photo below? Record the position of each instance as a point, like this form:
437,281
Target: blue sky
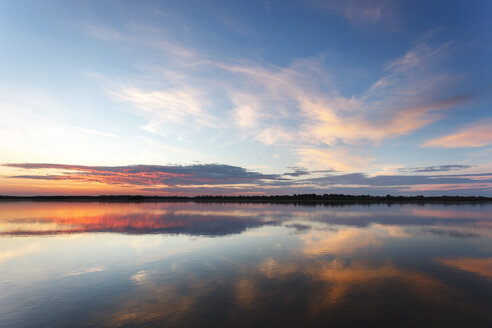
333,89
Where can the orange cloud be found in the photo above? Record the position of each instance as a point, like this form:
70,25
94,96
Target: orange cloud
475,135
385,110
328,127
145,175
52,179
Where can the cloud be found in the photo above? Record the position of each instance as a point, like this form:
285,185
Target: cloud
297,107
417,56
363,12
304,98
275,135
298,171
228,179
104,33
398,103
486,186
438,168
339,158
245,116
400,180
98,133
206,174
140,34
167,107
478,134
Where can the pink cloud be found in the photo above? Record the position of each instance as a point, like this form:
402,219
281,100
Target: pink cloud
474,135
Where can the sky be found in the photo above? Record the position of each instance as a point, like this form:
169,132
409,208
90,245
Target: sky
245,97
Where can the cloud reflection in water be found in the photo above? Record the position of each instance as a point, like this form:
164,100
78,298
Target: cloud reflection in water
154,264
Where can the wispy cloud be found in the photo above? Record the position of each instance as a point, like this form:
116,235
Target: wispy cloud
103,32
361,12
167,107
339,158
98,133
478,134
419,54
298,107
400,102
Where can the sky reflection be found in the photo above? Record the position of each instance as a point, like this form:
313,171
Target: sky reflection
186,264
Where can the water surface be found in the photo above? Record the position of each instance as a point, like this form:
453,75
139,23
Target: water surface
224,265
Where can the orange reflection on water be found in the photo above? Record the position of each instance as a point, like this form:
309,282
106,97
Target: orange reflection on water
320,265
348,240
326,288
480,266
54,218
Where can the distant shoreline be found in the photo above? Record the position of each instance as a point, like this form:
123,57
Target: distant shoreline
274,199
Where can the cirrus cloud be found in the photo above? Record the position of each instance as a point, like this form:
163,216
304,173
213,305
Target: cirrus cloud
477,134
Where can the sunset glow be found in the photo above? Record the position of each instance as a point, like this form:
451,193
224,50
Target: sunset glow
245,163
248,97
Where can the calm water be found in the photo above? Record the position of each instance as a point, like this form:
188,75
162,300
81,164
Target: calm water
223,265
